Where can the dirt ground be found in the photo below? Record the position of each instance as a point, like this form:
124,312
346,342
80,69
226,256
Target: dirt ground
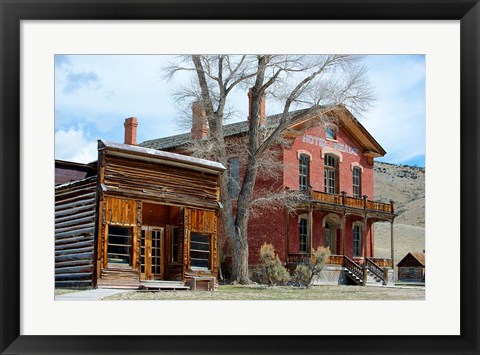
259,292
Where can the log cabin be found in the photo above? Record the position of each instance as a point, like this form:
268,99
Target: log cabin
144,218
330,158
412,268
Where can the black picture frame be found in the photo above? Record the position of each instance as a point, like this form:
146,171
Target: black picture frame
13,11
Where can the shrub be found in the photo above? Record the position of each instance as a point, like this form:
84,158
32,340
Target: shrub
305,273
271,270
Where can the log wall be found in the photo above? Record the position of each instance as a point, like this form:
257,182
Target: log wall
160,183
74,233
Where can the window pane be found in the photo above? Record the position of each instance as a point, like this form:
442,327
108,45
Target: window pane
303,172
119,245
356,241
200,250
303,234
330,133
356,182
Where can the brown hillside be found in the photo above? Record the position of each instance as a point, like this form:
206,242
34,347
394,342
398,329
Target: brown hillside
405,185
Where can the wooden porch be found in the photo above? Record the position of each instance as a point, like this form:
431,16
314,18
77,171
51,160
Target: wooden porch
359,270
353,204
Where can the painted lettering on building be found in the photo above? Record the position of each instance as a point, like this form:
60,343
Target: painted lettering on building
322,142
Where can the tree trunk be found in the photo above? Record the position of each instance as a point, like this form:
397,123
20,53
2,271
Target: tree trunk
240,257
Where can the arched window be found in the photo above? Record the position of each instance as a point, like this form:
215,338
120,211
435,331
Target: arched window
330,174
357,182
330,133
304,171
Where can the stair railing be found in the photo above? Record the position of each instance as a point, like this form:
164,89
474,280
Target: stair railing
375,269
354,268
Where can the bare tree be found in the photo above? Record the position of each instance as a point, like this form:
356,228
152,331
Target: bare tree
319,83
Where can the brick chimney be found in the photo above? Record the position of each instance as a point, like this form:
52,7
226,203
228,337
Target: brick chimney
131,125
199,121
261,113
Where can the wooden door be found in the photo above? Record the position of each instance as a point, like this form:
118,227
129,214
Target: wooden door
152,253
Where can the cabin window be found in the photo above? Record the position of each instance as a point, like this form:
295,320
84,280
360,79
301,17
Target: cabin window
303,233
234,181
356,241
357,191
304,171
330,133
330,174
200,250
119,245
175,245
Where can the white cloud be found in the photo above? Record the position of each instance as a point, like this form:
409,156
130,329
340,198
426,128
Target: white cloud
134,86
73,145
398,120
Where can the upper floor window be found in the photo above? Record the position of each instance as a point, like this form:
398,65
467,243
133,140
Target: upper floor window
330,133
330,175
357,190
357,241
304,171
303,234
234,181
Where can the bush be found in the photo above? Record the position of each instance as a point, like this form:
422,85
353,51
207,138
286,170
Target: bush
305,273
271,270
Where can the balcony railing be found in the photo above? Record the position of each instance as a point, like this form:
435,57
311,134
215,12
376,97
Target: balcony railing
349,201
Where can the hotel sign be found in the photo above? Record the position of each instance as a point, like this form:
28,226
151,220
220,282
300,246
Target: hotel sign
322,142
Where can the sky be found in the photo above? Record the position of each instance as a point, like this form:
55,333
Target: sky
95,93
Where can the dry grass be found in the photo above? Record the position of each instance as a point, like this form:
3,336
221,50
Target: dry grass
406,239
62,291
259,292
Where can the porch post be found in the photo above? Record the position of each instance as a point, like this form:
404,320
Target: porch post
391,244
344,242
287,233
364,238
310,234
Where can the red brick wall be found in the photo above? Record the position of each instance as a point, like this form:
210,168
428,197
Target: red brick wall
271,225
318,235
311,141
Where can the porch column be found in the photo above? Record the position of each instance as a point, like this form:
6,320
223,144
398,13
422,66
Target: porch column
391,244
344,242
287,232
310,219
364,238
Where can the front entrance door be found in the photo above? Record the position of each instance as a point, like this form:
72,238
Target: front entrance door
331,238
152,253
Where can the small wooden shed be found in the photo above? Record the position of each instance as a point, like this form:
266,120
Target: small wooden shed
146,215
412,268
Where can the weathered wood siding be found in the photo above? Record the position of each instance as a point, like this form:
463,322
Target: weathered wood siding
74,233
205,222
411,274
159,183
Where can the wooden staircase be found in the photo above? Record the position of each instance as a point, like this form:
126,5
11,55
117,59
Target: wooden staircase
353,270
119,277
369,274
375,274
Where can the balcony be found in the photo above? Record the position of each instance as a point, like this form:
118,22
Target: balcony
351,202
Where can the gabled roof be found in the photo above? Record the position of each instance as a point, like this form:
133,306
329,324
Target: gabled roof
420,257
346,120
231,129
153,155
